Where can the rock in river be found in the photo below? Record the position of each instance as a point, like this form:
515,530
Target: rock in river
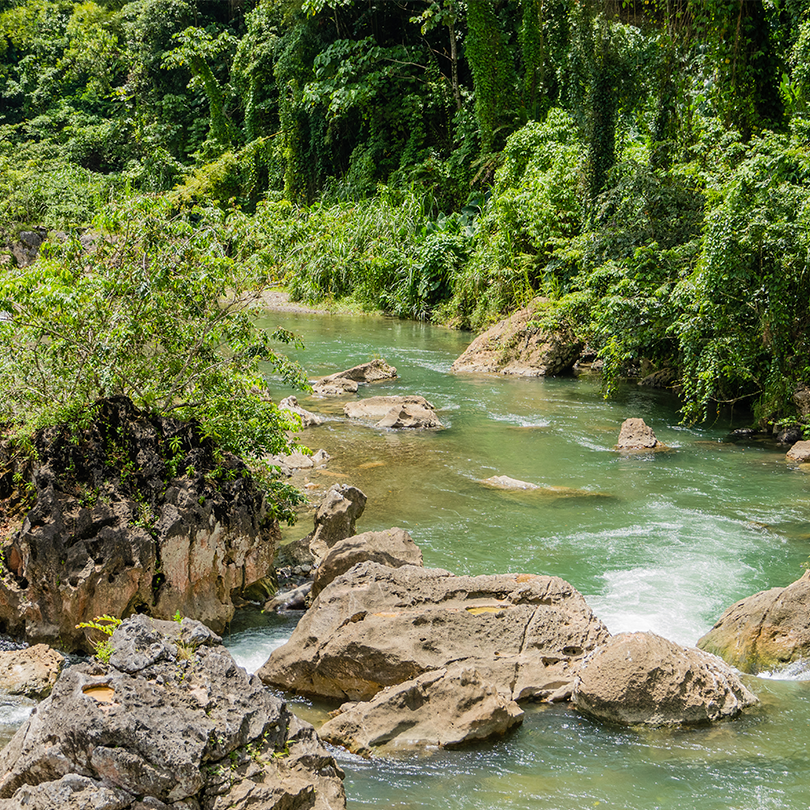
764,631
515,346
171,722
31,672
392,547
376,626
346,382
641,678
446,708
799,453
409,411
636,434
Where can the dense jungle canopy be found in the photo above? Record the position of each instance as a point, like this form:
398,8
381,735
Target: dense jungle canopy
643,164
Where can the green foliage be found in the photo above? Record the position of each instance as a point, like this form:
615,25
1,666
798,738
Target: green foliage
157,311
107,625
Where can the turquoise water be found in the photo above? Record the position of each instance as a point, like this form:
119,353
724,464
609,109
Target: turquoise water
661,542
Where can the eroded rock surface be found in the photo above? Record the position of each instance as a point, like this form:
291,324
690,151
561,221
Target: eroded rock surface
408,411
446,708
641,678
515,347
392,547
636,434
132,513
172,722
799,453
31,672
764,631
346,382
308,419
375,626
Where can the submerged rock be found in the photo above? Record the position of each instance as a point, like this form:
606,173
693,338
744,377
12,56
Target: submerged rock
31,672
392,547
508,484
376,626
445,708
409,411
641,678
129,516
515,347
635,434
765,631
172,721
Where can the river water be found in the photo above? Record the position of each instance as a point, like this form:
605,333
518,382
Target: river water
662,542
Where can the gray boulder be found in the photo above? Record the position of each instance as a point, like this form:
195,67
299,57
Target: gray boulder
515,346
31,672
445,708
171,722
329,387
635,434
392,547
641,678
376,626
346,382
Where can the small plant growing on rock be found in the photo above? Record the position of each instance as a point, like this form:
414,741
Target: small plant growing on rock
103,649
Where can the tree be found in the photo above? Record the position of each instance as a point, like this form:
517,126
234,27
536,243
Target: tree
157,311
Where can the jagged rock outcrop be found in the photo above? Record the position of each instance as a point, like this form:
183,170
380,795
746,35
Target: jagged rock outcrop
171,722
767,630
641,678
31,672
445,708
393,547
635,434
132,513
515,347
346,382
376,626
407,411
308,419
799,453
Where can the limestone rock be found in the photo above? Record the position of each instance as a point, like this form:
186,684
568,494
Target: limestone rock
446,708
128,518
297,460
641,678
515,347
31,672
800,453
801,398
662,378
408,411
393,547
635,434
308,419
335,518
508,484
347,381
376,626
764,631
172,720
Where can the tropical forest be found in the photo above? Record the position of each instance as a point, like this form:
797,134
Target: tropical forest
404,404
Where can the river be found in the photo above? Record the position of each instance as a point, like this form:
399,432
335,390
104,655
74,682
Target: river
660,542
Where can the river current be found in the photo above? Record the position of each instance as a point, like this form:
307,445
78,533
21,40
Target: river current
662,542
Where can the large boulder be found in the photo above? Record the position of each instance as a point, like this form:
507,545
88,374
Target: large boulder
764,631
799,453
335,518
31,672
635,434
392,547
517,347
132,513
172,721
641,678
445,708
408,411
376,626
344,382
